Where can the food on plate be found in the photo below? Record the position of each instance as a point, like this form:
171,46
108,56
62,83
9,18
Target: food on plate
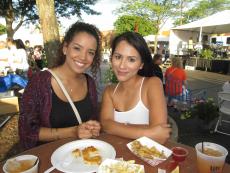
76,152
89,154
122,167
146,152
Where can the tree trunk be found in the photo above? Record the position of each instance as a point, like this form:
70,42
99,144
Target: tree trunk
49,27
9,18
155,43
156,37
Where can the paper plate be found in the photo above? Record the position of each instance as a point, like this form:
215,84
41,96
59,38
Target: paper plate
63,159
117,166
150,143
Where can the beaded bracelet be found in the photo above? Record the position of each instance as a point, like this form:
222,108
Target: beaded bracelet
55,134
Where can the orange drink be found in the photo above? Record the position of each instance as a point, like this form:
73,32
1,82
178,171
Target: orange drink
212,158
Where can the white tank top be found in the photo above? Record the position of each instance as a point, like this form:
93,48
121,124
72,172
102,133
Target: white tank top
137,115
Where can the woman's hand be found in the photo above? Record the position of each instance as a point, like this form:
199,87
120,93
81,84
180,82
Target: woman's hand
89,129
94,126
83,132
160,132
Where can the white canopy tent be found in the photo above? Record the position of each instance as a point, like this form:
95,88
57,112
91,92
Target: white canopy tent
215,24
150,38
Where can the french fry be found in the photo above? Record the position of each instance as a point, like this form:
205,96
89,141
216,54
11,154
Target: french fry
145,152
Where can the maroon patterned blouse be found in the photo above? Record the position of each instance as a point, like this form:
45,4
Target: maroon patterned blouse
36,104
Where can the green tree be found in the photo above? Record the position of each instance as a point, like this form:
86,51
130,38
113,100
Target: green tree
2,29
156,11
202,9
49,28
130,23
19,12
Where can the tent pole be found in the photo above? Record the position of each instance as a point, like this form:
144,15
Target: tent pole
200,36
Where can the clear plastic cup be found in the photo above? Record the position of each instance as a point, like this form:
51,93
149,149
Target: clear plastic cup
212,159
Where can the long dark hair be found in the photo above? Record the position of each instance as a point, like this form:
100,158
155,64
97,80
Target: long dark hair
138,42
72,31
19,44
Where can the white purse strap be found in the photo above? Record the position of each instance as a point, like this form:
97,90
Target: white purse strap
67,96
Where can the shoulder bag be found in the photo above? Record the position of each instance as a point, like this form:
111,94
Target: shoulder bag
67,96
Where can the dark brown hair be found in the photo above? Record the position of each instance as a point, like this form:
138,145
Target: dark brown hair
138,42
72,31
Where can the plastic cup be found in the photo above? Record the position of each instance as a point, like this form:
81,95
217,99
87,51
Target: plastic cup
179,154
21,162
210,163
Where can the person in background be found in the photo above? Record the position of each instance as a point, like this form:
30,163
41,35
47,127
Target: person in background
29,49
175,81
4,55
18,57
135,107
37,56
21,60
157,61
45,113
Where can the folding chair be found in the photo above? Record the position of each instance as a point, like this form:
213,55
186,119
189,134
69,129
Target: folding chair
224,109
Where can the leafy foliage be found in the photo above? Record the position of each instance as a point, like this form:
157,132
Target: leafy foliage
110,76
157,11
205,110
130,23
207,54
2,29
202,9
69,8
25,11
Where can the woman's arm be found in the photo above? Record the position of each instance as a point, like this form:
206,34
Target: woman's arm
156,104
128,130
87,129
29,121
154,99
51,134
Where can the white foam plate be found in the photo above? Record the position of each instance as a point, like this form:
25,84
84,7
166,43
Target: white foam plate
106,165
63,160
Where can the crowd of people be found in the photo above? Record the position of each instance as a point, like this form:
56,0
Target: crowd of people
19,58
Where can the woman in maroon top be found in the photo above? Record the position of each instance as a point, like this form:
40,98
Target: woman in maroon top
45,114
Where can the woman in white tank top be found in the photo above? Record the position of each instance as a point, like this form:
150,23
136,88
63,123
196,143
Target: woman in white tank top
136,106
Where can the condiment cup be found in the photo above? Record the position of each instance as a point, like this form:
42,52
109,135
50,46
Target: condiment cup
15,164
179,154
